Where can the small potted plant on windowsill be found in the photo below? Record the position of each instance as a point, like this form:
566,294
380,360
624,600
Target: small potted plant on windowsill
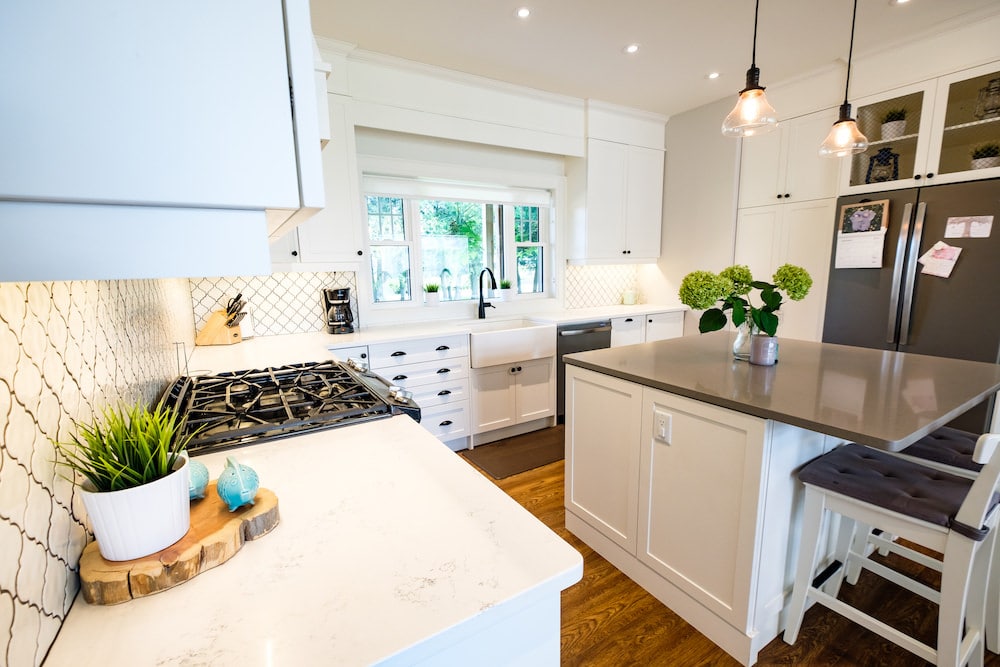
135,479
432,294
986,155
894,123
506,291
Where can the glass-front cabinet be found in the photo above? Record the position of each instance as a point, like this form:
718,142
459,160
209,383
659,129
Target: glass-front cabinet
941,131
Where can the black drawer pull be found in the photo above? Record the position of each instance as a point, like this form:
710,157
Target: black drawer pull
399,377
442,348
443,370
398,354
444,392
446,422
628,319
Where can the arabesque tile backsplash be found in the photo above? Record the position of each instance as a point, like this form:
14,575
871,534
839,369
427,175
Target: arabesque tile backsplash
603,285
67,349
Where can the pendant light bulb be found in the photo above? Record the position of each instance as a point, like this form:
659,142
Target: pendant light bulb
845,137
753,114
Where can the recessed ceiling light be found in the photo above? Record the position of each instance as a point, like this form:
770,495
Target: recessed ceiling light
523,13
631,48
712,75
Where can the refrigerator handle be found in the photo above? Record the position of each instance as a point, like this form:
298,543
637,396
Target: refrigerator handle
897,273
911,275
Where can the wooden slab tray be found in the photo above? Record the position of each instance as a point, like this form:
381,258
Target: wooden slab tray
216,534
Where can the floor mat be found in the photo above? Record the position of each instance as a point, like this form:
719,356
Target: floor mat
521,453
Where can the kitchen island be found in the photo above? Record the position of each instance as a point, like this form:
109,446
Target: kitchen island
681,461
391,550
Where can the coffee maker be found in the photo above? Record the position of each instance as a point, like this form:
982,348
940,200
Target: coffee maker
337,305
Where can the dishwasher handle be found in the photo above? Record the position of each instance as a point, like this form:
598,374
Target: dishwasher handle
577,332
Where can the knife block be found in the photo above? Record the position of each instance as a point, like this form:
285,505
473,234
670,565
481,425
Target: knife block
215,331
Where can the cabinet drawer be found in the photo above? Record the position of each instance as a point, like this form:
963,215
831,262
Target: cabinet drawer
409,376
344,353
628,330
447,422
442,393
661,326
393,354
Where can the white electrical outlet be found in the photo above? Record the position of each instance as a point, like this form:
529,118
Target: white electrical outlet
661,426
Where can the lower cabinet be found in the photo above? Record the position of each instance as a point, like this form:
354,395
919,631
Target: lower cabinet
512,394
628,330
661,326
698,504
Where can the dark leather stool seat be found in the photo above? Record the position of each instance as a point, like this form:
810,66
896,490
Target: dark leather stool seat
948,446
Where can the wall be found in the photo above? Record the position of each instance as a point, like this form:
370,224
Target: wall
66,350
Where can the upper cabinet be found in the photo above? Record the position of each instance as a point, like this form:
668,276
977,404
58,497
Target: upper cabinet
616,192
929,133
143,115
784,165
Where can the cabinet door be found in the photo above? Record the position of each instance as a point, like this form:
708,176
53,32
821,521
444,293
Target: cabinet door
808,176
806,229
494,402
627,331
761,164
146,117
602,454
966,116
333,234
606,173
643,203
535,389
700,485
757,231
285,250
662,326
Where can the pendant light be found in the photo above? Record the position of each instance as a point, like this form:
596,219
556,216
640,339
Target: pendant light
752,114
845,138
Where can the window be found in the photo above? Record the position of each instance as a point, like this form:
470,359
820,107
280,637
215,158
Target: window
454,241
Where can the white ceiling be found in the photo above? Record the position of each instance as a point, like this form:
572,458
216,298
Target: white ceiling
575,47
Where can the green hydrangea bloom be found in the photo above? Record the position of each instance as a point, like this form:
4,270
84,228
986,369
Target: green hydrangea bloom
794,280
701,289
741,277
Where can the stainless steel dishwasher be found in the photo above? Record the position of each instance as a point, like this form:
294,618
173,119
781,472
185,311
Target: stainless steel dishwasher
578,337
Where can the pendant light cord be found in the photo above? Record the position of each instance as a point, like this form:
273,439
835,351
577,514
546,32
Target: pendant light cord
850,50
753,53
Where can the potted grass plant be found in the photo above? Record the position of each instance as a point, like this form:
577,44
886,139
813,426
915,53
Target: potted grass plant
986,155
132,472
432,294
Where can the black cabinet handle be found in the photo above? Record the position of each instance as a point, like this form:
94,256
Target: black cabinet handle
360,252
446,422
398,354
441,348
364,355
778,196
444,370
916,177
295,253
628,319
444,392
930,175
399,377
518,369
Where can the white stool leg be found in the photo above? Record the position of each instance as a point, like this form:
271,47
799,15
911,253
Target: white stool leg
858,546
849,536
954,592
993,601
812,523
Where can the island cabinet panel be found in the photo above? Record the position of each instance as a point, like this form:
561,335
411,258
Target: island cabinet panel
700,486
603,417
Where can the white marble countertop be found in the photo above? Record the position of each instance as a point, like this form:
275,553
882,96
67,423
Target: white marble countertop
316,346
389,547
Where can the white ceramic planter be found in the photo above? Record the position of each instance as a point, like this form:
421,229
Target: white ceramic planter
432,298
136,522
893,129
985,162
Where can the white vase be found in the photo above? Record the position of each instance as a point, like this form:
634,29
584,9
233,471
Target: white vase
432,298
985,162
893,129
506,293
136,522
741,345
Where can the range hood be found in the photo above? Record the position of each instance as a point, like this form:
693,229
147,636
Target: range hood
152,140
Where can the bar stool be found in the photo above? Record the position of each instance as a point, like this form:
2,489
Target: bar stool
949,450
946,513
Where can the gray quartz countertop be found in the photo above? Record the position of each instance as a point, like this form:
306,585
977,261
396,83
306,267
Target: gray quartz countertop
875,397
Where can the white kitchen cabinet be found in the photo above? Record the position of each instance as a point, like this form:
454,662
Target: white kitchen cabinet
117,111
662,326
602,456
785,166
436,370
512,394
617,201
628,330
359,352
946,118
797,233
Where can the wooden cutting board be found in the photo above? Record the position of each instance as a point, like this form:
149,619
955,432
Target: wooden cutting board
216,534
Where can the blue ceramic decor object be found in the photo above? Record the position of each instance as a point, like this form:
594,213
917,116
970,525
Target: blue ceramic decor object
198,474
237,484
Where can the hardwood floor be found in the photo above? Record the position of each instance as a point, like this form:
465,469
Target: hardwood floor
609,621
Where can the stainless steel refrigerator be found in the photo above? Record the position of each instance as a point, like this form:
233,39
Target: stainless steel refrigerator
896,307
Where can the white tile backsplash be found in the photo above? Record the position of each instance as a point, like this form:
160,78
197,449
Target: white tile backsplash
602,285
67,349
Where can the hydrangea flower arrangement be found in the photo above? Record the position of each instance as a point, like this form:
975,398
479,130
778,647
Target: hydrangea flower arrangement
701,290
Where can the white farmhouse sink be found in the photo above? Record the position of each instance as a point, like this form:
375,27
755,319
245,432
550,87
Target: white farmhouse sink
494,342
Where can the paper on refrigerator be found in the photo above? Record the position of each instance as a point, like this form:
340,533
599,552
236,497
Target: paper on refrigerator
861,235
940,259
